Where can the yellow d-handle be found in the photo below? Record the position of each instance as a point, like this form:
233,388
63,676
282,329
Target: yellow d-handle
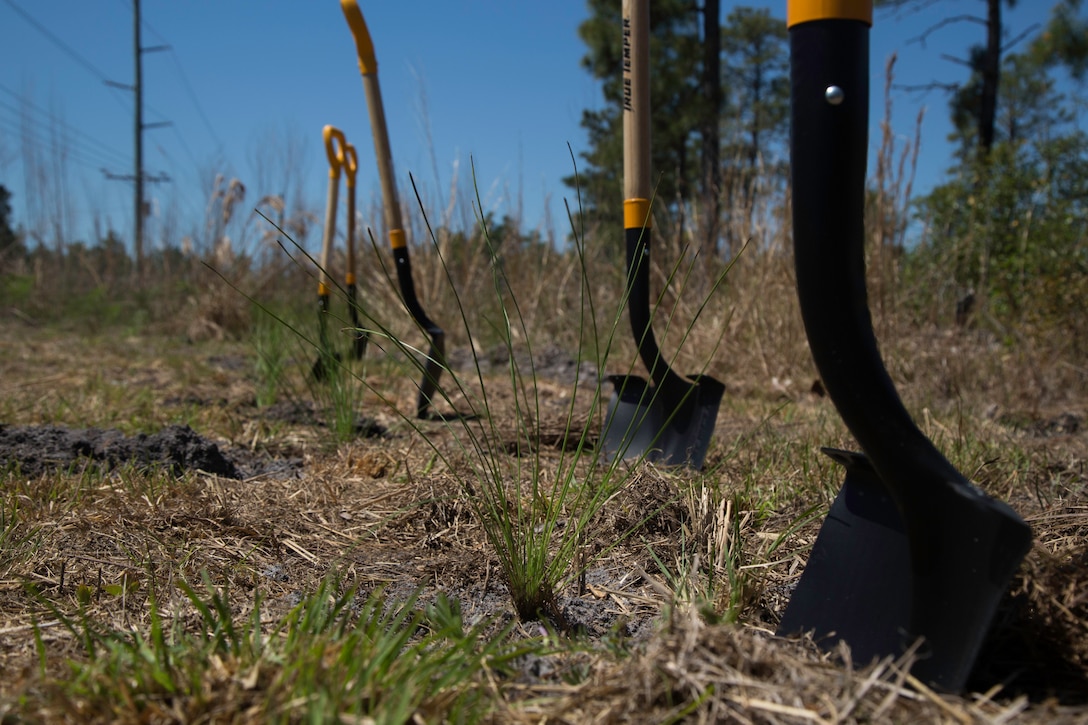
350,163
803,11
364,46
334,149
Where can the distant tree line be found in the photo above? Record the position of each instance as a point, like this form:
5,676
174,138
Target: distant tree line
10,242
1009,216
1010,221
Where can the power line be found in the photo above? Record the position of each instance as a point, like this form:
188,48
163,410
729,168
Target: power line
188,151
185,83
90,67
57,41
67,49
78,154
102,148
192,96
83,155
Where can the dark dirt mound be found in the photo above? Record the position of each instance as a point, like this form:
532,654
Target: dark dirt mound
38,449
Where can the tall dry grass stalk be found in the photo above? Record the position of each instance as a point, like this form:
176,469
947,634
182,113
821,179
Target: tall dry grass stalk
889,207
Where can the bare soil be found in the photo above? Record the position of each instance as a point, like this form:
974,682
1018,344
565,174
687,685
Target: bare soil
36,450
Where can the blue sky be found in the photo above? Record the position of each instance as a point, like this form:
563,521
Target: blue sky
499,81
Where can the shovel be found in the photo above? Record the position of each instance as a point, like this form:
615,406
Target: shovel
672,420
911,549
359,340
334,150
368,65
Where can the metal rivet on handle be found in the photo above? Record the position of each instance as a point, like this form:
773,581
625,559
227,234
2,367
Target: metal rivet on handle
834,95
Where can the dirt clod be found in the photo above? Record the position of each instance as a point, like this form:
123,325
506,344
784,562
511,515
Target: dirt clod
38,449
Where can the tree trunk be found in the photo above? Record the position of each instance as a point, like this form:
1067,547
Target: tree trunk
712,90
991,77
757,123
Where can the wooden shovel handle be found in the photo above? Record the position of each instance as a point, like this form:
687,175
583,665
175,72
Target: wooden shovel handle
636,100
368,66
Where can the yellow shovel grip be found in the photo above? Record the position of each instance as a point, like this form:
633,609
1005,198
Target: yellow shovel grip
803,11
351,164
364,46
334,149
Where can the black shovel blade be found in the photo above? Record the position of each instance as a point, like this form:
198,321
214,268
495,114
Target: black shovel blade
326,359
861,585
360,337
429,390
432,370
322,369
856,585
631,422
669,427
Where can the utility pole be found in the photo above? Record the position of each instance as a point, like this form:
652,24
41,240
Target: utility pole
138,177
138,92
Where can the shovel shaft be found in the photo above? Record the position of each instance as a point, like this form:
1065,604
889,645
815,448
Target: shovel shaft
324,344
334,150
636,105
368,66
828,144
327,238
351,168
436,359
383,155
637,240
637,193
803,11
